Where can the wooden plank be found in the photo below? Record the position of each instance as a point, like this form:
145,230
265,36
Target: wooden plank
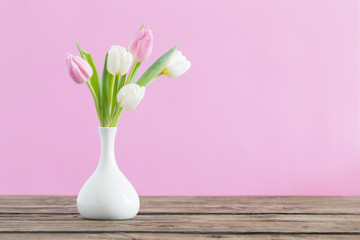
286,204
37,204
162,236
261,223
193,205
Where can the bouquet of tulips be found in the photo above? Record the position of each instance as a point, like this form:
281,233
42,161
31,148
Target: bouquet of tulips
116,90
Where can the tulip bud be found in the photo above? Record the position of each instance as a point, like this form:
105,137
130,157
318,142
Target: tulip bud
176,65
130,96
119,60
79,70
141,45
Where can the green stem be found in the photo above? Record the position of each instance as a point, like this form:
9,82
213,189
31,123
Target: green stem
119,83
112,89
109,93
133,72
95,100
116,117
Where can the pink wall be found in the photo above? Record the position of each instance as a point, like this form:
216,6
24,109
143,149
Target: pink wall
269,107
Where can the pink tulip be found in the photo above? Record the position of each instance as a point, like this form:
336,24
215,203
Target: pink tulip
141,45
79,70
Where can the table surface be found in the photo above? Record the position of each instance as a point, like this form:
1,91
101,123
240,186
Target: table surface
251,218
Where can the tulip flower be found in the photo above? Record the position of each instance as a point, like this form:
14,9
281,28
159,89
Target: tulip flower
79,70
141,45
130,96
176,65
119,60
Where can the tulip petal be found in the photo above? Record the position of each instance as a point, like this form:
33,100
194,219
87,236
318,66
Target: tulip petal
76,73
141,44
144,48
113,60
130,96
134,41
176,65
119,60
84,67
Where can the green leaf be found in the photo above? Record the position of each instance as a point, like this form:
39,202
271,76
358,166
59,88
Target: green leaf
133,72
155,69
106,90
96,100
121,82
94,80
93,83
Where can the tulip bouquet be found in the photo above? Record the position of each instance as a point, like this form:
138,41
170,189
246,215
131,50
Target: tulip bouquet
117,89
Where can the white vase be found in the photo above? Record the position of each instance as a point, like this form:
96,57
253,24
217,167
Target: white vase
107,194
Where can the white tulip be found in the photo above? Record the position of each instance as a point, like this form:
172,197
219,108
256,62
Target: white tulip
130,96
119,60
176,65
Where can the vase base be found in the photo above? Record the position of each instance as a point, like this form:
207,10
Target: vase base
100,213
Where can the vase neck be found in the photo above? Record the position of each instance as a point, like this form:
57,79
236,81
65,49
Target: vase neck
107,138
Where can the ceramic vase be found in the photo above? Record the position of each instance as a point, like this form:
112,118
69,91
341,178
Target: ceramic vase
108,194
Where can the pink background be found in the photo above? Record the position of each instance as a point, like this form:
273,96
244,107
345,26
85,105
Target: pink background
269,107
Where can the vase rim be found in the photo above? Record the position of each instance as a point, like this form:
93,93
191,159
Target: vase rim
107,127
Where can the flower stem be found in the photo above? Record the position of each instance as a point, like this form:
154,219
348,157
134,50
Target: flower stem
115,119
133,72
119,83
112,94
96,101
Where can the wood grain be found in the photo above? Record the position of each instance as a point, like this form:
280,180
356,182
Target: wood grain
253,218
191,205
165,236
262,223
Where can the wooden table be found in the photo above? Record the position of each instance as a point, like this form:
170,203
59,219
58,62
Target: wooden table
251,218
